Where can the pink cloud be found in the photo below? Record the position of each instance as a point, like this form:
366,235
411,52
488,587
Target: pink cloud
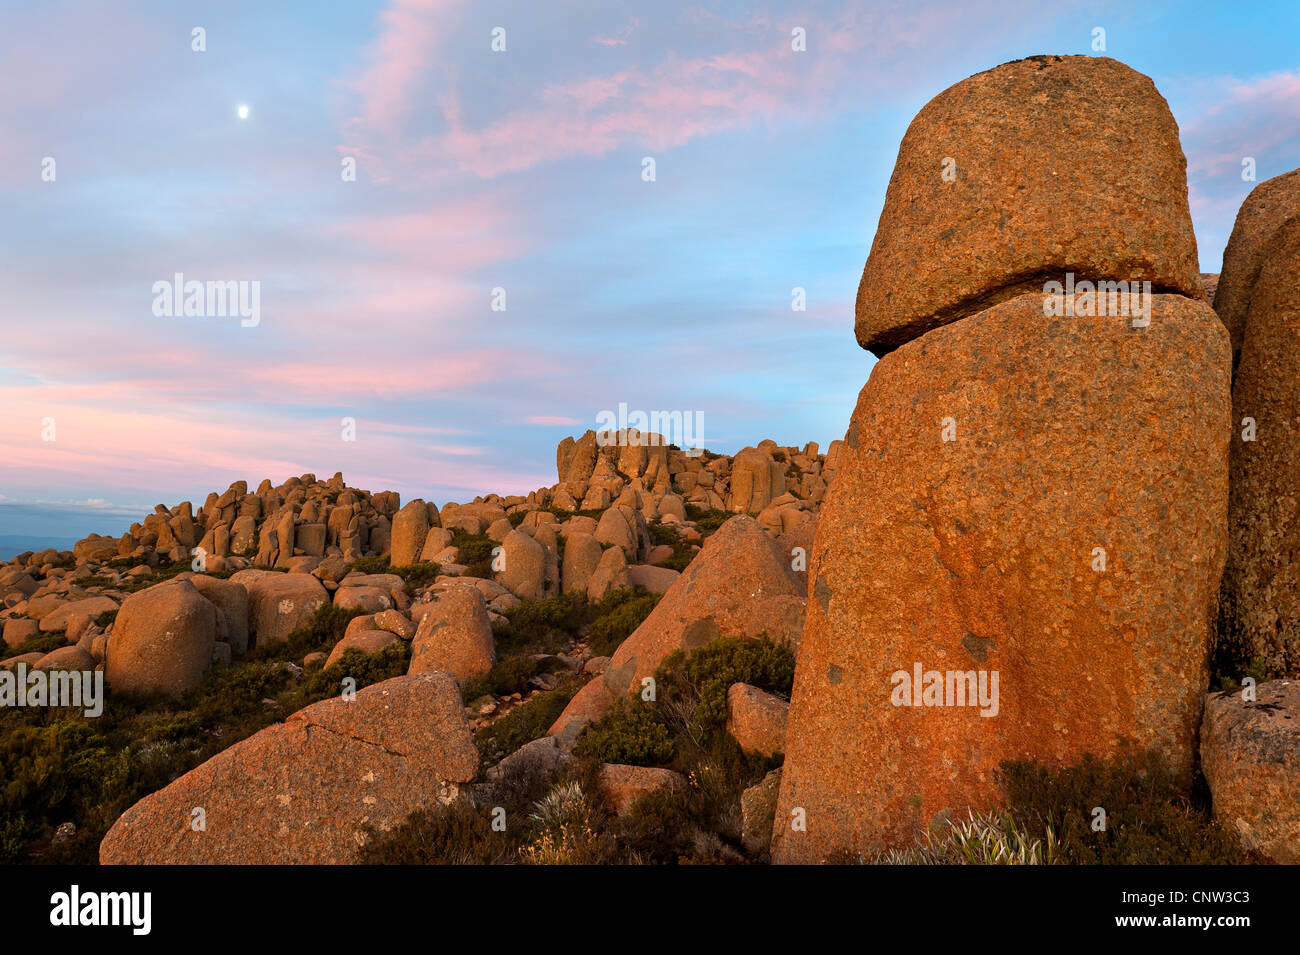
552,419
398,58
620,38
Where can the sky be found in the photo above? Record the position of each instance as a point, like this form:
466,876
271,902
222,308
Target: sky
488,177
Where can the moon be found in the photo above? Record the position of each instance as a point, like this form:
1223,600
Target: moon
242,111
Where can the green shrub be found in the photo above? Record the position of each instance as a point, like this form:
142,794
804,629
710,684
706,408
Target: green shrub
364,668
694,686
418,575
631,733
371,565
617,616
327,626
707,520
543,626
43,642
523,724
508,675
104,619
1150,820
475,552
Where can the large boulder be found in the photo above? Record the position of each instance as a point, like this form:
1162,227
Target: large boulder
92,607
624,527
1262,582
756,719
611,574
95,547
1269,205
582,555
410,529
307,790
1017,175
523,570
455,636
1250,754
278,604
367,641
1067,543
162,641
756,479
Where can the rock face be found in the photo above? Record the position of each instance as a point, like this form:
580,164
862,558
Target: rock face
1262,581
455,636
162,641
303,791
582,555
1250,754
1019,174
1267,207
983,554
278,604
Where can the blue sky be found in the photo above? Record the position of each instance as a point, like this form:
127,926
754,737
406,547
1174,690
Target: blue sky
479,169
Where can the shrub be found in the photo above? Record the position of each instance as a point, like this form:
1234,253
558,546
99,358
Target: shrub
41,643
371,565
987,839
707,520
459,834
523,724
508,675
694,686
475,553
631,733
543,626
617,616
418,575
364,668
327,626
1149,818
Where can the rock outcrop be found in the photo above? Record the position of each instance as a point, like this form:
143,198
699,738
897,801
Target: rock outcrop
310,790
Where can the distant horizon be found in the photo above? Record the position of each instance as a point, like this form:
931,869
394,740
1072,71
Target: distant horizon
457,249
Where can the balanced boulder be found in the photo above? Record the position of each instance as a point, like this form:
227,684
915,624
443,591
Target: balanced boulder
1020,174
